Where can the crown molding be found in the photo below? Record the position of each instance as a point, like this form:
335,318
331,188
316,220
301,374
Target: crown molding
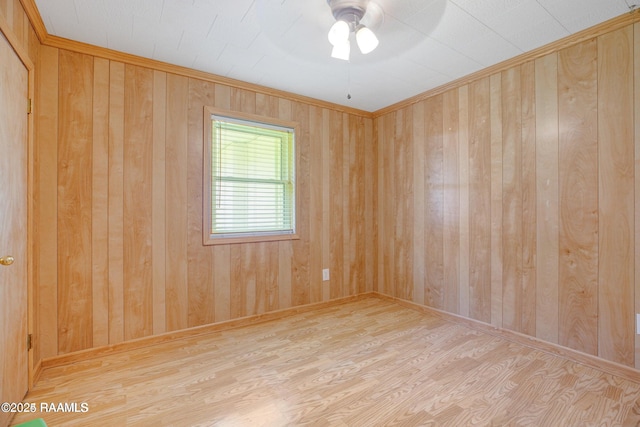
58,42
62,43
35,19
589,33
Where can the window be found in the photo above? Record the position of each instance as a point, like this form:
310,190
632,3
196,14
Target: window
250,187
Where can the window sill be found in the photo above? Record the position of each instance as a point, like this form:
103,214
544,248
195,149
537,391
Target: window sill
212,241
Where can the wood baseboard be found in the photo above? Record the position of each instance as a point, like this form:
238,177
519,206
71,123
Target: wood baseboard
591,361
35,374
91,353
575,356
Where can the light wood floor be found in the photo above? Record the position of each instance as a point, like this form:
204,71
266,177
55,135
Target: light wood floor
370,362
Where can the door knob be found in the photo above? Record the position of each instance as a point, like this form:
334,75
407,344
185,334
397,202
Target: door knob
7,260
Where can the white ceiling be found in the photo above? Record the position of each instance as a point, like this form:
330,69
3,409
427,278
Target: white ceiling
283,44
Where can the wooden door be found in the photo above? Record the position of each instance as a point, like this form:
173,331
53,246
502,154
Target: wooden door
13,227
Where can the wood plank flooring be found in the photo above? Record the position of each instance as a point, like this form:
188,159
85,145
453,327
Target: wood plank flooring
367,362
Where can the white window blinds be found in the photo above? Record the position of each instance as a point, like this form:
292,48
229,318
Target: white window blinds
252,178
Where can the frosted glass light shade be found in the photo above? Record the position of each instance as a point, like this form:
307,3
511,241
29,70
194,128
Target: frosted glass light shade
339,33
341,50
367,41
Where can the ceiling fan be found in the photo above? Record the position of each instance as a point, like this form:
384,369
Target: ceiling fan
350,16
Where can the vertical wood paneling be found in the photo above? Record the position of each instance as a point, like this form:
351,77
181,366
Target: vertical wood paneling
301,251
100,203
199,258
419,204
636,121
19,22
243,276
34,50
616,197
315,203
266,105
479,201
326,188
116,202
529,219
222,253
434,204
381,142
176,293
403,218
388,190
560,137
346,223
370,205
267,299
360,195
159,201
496,200
222,292
394,200
336,205
285,249
512,199
578,195
356,247
545,219
46,210
4,4
547,198
137,213
138,154
75,318
463,139
7,10
451,202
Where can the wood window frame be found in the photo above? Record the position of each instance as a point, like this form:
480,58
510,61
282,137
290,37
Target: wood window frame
207,237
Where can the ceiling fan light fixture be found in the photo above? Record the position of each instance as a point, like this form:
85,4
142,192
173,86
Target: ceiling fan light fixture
348,15
339,33
341,50
366,39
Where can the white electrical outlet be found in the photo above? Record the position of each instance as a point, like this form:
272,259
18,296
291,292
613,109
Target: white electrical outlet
325,275
638,324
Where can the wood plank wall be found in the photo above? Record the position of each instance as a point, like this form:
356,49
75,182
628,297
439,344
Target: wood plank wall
509,200
121,173
16,18
512,197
